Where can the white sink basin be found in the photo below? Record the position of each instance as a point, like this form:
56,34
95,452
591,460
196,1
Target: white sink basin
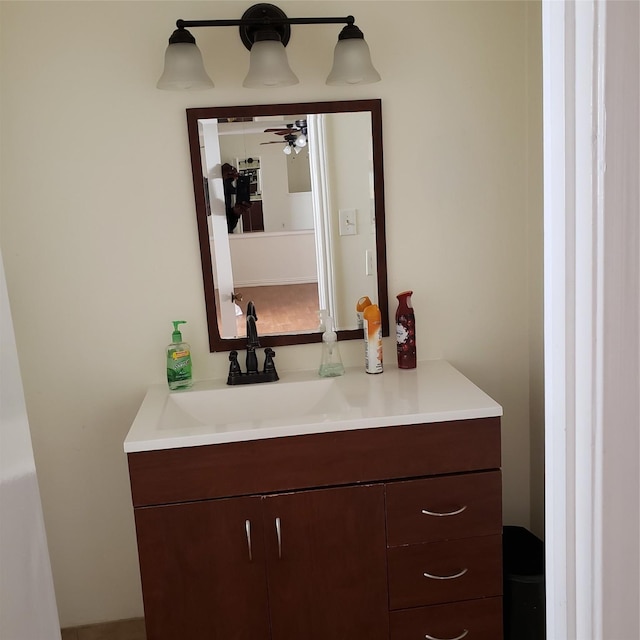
255,406
302,403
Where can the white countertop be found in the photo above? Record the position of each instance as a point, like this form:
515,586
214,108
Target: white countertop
212,412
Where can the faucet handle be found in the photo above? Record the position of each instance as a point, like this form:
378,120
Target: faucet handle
234,367
269,366
235,373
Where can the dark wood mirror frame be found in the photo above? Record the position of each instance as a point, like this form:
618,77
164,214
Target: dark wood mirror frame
374,107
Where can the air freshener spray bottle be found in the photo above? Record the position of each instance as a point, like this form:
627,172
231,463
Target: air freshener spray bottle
406,331
372,339
361,305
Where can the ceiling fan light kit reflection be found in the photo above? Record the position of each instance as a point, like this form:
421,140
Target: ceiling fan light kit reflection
293,141
265,30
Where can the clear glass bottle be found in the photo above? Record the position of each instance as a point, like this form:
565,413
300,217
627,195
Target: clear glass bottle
331,363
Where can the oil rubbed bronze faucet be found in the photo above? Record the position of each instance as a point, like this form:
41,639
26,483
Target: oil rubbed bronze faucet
252,375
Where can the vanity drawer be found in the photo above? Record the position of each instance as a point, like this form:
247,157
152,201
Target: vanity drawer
439,572
473,619
444,508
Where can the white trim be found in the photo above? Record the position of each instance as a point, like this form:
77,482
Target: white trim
272,282
586,292
558,597
257,235
321,198
573,47
217,223
598,444
591,62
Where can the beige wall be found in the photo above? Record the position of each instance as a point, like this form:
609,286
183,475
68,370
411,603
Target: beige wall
100,244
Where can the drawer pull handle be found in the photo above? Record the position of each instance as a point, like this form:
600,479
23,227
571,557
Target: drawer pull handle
247,528
462,635
451,577
441,514
279,534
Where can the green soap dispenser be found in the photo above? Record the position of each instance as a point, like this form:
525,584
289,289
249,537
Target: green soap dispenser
178,360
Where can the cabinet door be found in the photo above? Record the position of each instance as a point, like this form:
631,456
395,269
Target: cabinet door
203,570
326,564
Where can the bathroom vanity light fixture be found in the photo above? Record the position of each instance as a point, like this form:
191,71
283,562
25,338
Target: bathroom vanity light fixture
265,30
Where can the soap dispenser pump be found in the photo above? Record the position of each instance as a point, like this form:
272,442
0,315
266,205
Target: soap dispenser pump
178,360
331,363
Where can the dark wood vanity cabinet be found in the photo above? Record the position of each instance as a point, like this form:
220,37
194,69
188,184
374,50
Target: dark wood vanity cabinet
375,534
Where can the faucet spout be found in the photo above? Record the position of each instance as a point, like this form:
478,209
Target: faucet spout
251,309
252,375
252,332
252,340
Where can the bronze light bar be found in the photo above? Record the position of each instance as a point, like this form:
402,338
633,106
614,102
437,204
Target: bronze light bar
265,30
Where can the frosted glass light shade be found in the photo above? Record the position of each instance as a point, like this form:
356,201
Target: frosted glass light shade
184,69
352,63
268,66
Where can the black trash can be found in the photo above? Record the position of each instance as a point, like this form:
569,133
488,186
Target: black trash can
523,571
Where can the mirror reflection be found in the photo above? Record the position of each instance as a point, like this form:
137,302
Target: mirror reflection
290,217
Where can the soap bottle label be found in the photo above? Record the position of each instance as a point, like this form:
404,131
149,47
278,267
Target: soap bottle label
179,368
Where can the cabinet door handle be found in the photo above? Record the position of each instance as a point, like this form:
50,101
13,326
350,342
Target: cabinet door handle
279,535
451,577
247,529
441,514
462,635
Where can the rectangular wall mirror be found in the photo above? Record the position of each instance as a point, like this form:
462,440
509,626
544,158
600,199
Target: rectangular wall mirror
290,210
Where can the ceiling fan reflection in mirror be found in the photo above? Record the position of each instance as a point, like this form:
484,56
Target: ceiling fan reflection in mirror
294,135
298,125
